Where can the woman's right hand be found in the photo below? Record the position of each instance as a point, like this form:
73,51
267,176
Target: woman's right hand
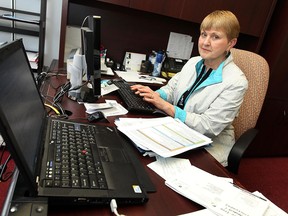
154,97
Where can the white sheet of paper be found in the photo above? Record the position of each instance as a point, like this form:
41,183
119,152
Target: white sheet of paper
133,76
217,195
108,89
110,108
179,46
132,61
203,212
169,167
272,210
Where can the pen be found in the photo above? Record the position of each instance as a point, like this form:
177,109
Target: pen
244,190
147,78
151,78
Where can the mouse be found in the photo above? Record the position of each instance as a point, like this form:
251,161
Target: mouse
97,116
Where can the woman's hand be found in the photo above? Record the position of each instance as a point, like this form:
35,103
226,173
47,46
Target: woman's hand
143,91
154,97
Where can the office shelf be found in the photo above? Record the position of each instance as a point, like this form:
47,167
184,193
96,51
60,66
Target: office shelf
29,27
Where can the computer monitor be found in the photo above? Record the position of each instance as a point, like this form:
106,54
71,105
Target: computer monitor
91,43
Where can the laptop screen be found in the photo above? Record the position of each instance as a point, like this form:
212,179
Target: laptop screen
21,108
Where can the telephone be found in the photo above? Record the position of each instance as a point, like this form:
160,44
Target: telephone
171,66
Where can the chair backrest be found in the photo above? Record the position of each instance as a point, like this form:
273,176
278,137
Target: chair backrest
256,69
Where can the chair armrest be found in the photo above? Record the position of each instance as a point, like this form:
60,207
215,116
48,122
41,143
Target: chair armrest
239,148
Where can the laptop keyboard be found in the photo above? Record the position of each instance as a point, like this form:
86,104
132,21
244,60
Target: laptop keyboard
70,160
133,102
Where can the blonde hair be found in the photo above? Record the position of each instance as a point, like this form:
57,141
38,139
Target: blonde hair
222,20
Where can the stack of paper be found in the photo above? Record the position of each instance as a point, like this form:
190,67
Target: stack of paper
110,108
165,136
179,46
33,59
217,195
214,192
132,61
133,76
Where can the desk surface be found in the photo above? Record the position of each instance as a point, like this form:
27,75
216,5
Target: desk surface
163,202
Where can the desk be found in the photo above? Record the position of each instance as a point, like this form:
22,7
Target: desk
163,202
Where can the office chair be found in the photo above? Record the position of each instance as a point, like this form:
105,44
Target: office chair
256,69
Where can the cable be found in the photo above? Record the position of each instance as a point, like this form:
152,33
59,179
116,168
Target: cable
40,79
84,21
3,177
53,108
113,207
63,90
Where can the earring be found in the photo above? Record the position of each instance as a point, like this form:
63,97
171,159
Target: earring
227,53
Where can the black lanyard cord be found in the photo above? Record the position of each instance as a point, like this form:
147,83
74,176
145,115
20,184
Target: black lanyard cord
197,82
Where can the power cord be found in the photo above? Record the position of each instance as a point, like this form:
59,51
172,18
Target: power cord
63,90
40,79
3,167
113,206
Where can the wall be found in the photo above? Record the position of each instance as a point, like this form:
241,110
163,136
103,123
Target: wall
54,10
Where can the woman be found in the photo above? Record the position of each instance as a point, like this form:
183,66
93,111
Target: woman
207,93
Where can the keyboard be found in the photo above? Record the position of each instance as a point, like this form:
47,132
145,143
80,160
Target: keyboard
70,160
134,103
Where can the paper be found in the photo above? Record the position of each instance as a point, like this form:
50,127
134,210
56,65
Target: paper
165,136
220,197
133,76
110,108
169,167
94,107
104,69
272,210
106,89
179,46
33,59
108,72
132,61
203,212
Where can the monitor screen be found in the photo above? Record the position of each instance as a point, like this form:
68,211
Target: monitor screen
21,108
91,43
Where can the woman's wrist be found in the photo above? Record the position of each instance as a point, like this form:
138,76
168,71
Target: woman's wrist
169,109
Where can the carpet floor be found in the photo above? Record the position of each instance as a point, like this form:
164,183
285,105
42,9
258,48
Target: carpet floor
268,176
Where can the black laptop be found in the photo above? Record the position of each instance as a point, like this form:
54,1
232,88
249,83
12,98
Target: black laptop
66,161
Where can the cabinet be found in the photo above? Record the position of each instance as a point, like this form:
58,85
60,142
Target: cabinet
143,25
253,16
169,8
17,22
118,2
272,139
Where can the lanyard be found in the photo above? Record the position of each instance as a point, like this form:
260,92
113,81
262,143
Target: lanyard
197,82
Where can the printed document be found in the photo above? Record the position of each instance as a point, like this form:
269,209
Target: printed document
165,136
110,108
220,197
272,210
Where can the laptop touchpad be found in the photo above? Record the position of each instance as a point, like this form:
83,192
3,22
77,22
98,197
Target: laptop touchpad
112,155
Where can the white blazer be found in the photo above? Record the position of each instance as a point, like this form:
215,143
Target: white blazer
212,107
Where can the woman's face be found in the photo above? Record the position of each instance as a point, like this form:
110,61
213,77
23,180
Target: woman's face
213,45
